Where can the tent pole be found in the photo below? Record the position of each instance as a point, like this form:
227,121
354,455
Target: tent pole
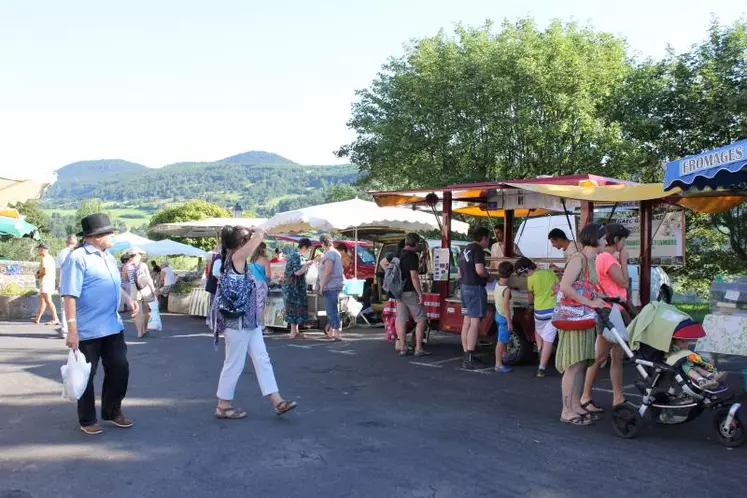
355,253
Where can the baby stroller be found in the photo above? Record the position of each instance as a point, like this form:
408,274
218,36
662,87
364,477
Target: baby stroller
669,396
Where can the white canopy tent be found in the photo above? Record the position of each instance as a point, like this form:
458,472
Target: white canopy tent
209,227
125,240
352,214
168,247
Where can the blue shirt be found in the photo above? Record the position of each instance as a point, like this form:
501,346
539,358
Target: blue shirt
93,278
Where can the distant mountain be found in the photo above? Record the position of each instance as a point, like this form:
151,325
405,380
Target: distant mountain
95,170
263,182
256,157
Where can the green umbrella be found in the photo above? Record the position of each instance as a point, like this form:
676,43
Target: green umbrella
16,227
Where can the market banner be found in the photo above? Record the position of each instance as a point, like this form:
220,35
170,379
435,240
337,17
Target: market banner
669,234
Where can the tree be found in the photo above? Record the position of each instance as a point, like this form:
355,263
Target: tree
193,210
686,104
89,207
34,214
484,106
344,192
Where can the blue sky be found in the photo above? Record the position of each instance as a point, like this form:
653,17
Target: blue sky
162,81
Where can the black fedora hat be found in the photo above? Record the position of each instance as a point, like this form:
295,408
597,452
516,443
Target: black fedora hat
95,224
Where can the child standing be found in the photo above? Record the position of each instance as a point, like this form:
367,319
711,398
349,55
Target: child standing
540,284
503,314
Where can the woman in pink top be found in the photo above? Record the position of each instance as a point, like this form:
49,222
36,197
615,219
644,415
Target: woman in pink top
613,280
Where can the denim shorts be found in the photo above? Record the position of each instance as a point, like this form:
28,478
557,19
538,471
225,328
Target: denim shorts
503,334
330,306
474,301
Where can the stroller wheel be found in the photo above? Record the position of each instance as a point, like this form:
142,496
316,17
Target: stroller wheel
626,421
732,435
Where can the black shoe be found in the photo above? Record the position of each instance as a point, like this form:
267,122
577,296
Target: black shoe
469,362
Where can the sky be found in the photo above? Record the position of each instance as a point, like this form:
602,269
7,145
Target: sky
158,82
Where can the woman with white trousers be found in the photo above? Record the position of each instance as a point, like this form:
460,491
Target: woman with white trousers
238,317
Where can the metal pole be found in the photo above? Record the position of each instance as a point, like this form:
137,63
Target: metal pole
647,214
355,253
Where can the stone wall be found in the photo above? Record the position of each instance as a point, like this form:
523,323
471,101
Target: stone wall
21,273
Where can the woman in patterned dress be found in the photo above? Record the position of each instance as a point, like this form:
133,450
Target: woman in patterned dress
294,287
575,350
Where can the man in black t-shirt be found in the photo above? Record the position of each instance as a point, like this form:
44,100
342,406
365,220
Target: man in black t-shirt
410,303
474,277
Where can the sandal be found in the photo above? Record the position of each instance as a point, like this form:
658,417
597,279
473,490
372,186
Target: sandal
284,406
579,420
594,417
595,407
230,413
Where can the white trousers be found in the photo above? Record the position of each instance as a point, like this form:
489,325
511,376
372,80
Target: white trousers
238,344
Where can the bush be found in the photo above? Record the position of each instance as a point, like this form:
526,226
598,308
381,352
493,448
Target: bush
13,289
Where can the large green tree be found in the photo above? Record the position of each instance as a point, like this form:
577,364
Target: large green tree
193,210
491,104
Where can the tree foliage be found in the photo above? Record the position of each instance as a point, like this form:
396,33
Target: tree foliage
193,210
88,207
487,105
34,214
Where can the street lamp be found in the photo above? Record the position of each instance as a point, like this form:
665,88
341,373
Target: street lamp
237,211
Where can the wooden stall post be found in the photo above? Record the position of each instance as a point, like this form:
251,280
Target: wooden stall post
508,233
443,287
647,215
587,214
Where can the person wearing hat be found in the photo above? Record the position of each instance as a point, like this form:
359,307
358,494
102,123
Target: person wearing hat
140,286
91,289
46,276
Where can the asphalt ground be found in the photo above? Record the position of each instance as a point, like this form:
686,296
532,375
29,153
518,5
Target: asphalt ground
369,424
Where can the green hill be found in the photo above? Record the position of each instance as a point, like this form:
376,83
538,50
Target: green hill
93,170
271,184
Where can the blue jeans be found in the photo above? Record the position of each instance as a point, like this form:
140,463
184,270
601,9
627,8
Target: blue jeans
330,306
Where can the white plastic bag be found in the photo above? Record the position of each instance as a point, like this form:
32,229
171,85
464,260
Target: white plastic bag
154,320
75,375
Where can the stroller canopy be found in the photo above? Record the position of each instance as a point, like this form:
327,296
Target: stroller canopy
658,322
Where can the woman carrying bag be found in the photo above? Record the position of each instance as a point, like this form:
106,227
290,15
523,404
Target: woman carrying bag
237,315
575,317
142,288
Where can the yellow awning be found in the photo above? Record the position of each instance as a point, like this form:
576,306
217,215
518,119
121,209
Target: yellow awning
498,213
711,204
9,212
606,193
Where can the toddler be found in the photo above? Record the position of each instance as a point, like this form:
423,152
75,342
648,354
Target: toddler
503,314
703,373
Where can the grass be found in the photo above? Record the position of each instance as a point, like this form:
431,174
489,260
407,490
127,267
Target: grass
696,311
134,216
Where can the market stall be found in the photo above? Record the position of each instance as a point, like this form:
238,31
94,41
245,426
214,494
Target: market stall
356,218
505,199
716,181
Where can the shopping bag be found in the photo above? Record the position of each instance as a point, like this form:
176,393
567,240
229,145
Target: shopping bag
75,374
154,321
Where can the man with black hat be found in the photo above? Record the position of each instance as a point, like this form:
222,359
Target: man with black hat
91,289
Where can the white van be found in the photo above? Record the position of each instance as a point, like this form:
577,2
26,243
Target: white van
533,243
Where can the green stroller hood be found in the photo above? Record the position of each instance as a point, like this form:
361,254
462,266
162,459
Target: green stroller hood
655,325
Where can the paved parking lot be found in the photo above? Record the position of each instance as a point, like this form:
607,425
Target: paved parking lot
369,424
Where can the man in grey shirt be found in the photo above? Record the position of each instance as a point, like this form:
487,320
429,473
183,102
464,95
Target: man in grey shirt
331,285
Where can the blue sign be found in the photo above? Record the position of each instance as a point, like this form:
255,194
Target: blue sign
722,167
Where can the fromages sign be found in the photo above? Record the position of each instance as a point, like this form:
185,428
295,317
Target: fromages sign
712,159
